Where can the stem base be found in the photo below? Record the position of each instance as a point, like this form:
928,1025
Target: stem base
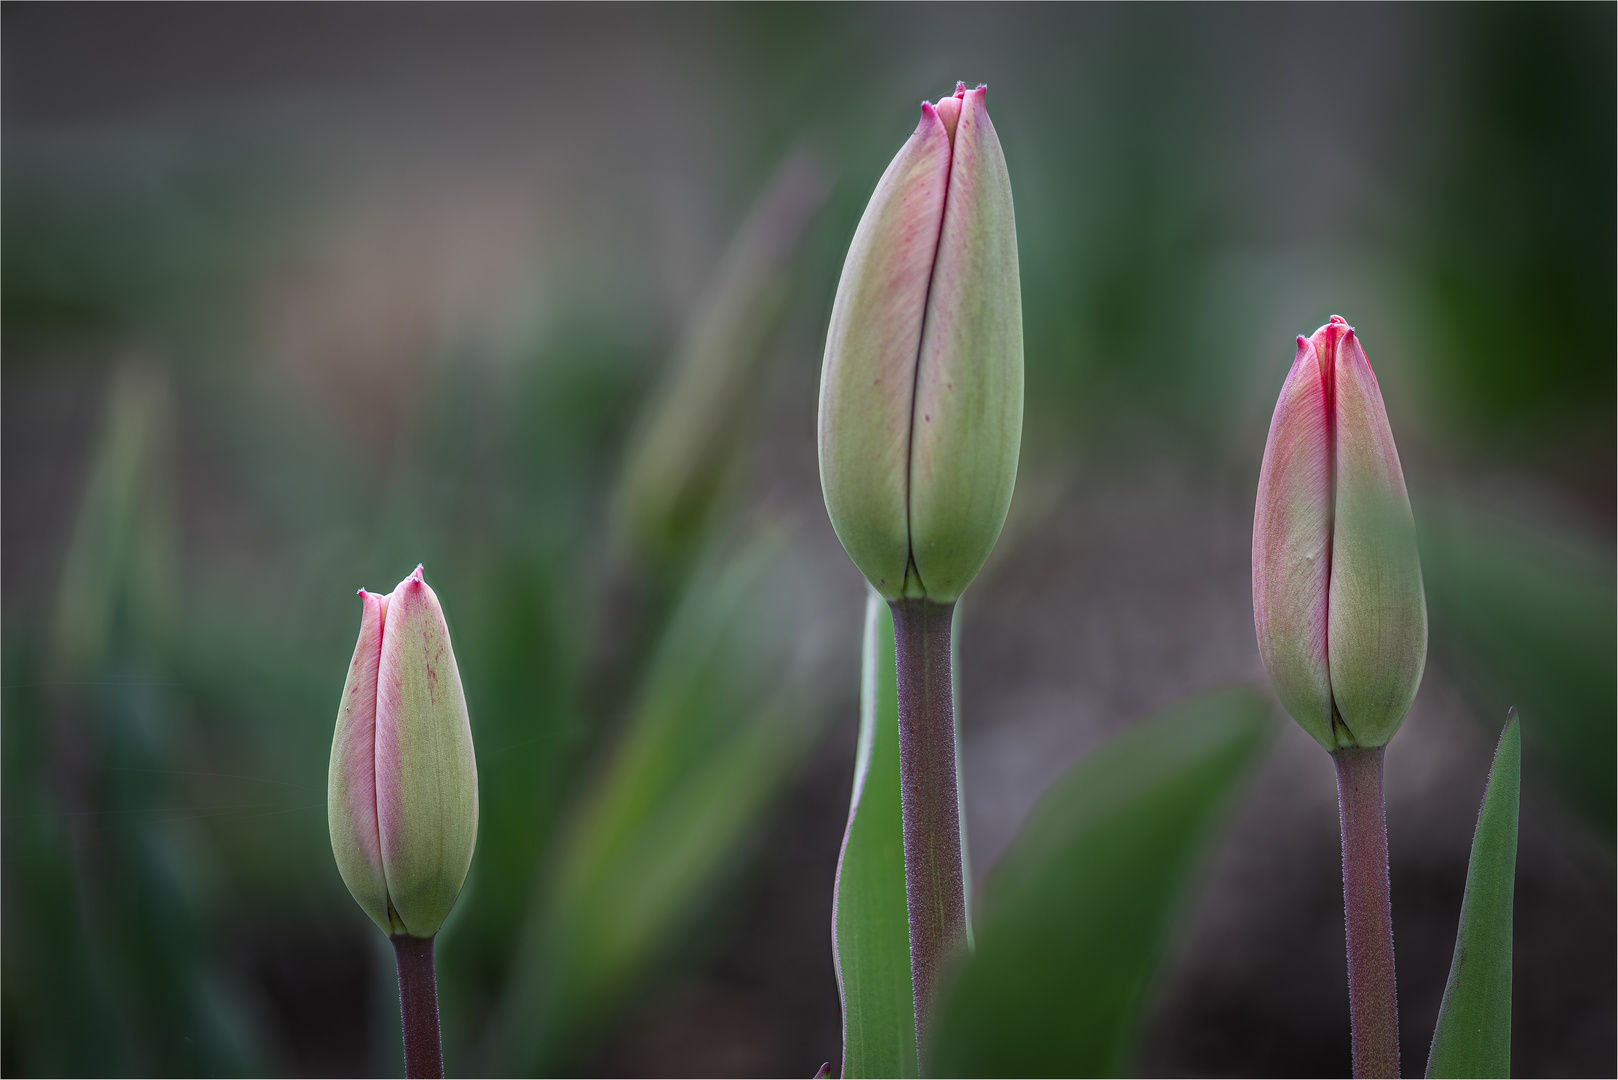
935,889
418,1006
1373,1003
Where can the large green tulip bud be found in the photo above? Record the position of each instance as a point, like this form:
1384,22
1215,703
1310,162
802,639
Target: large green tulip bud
402,792
921,393
1337,594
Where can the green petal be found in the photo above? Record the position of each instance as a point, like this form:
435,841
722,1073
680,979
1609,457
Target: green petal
351,779
427,779
967,420
1378,611
868,380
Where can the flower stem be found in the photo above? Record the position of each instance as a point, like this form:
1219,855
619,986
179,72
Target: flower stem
418,1006
935,889
1373,1003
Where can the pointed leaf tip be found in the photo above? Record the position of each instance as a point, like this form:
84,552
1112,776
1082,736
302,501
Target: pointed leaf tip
1473,1034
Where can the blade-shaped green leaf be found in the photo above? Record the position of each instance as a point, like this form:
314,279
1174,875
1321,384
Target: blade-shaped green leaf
722,721
1076,917
677,467
870,928
1473,1035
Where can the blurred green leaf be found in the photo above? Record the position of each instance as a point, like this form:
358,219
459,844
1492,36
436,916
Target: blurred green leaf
1516,257
1473,1034
721,722
1076,917
119,864
119,571
870,920
105,238
686,449
1523,615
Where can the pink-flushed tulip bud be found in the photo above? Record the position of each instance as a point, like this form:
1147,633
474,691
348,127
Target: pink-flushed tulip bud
402,791
921,393
1337,593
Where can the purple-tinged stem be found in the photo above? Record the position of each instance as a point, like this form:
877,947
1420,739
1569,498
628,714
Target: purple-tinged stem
935,889
418,1006
1373,1002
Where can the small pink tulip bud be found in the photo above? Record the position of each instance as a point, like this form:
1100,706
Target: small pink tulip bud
402,791
921,393
1337,593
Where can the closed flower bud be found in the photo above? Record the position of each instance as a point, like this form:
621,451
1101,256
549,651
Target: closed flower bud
1337,593
921,392
402,792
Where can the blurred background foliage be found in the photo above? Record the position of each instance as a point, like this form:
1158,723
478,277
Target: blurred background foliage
294,298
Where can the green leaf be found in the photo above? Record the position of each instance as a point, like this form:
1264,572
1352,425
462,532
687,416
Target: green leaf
686,450
1523,615
118,579
718,728
1076,917
870,924
1473,1036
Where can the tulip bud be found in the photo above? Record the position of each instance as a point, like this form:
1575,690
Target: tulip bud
921,392
402,792
1337,593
